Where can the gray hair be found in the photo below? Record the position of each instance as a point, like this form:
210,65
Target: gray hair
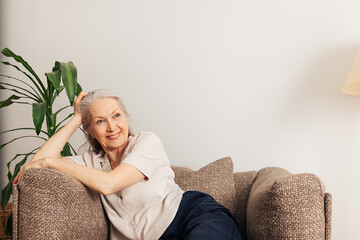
85,104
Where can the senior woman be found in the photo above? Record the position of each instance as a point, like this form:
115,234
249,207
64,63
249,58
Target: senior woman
133,176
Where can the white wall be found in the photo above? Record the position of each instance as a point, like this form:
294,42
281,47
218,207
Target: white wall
259,81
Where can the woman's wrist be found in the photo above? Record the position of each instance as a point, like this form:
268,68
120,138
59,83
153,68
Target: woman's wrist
45,162
77,120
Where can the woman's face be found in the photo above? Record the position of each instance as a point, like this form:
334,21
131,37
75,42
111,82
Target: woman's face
109,125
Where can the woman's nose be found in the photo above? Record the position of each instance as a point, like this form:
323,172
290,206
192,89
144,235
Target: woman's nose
110,125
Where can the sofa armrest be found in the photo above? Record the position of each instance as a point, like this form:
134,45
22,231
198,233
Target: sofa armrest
282,205
53,205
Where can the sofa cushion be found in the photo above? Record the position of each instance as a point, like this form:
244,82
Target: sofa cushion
215,179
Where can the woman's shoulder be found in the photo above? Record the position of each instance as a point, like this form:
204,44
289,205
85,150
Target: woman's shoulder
145,136
145,139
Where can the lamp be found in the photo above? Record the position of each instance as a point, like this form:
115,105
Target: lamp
352,83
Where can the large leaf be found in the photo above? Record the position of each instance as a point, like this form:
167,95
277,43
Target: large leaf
54,78
69,78
38,114
7,52
9,101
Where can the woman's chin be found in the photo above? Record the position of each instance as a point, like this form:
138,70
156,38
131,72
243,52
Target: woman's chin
114,144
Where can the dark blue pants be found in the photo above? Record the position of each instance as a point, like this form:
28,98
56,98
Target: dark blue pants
200,217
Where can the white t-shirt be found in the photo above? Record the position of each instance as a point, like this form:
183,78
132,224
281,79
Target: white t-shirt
145,209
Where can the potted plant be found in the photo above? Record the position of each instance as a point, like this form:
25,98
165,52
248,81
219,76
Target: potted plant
30,90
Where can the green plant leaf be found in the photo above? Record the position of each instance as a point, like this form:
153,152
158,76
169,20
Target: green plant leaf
54,78
7,190
4,201
8,53
66,150
72,148
56,66
9,175
8,230
69,116
9,101
34,93
38,114
58,111
78,89
19,129
42,92
16,90
16,156
28,136
69,78
62,88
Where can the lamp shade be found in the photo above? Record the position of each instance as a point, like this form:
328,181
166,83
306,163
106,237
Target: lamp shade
352,83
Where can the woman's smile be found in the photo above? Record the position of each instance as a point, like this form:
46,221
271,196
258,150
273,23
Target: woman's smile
114,136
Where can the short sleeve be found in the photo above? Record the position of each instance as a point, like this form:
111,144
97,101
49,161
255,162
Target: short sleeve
147,154
78,159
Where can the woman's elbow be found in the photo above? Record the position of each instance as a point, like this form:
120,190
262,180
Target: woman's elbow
107,188
105,192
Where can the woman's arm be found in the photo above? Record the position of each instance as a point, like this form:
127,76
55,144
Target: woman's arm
105,183
53,146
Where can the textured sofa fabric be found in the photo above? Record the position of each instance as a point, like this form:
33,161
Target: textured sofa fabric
51,205
215,179
243,184
293,205
269,204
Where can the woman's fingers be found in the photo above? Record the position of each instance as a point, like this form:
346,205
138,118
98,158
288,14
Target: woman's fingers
81,96
78,99
17,178
34,164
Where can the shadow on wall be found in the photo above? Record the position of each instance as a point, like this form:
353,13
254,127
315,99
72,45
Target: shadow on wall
314,113
319,84
3,172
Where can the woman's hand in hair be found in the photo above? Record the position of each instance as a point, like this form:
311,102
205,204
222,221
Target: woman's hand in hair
77,110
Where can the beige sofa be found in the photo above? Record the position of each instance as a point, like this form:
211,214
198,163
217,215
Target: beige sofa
269,204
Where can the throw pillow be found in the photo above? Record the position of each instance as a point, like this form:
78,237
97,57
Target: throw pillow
215,179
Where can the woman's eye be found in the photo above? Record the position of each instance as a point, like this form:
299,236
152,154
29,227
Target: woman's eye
117,115
99,121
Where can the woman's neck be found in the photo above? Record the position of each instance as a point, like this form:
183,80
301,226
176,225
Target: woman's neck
115,155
